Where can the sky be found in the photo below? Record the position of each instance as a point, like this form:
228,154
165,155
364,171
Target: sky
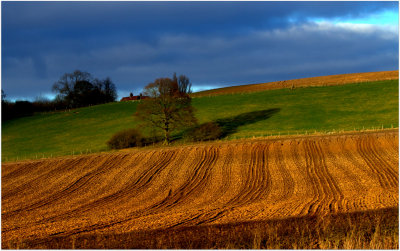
215,44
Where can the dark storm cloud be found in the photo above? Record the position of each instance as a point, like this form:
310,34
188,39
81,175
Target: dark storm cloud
214,43
94,13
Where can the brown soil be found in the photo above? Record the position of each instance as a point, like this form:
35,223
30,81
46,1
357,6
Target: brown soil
304,82
199,185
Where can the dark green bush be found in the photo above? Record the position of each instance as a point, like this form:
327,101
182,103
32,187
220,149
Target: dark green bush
125,139
204,132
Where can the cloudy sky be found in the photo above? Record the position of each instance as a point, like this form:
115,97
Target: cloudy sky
214,43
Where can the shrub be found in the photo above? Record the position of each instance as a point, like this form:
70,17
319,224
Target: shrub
204,132
125,139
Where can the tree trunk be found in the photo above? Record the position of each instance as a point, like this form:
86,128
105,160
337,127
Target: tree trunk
166,135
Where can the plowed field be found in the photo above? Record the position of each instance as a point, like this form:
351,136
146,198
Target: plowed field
304,82
200,184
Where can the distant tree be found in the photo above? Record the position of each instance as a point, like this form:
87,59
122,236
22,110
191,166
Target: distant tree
97,94
42,104
3,96
168,109
79,89
20,108
23,108
184,84
65,86
110,91
83,94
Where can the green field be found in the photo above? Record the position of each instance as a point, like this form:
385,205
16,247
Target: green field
284,111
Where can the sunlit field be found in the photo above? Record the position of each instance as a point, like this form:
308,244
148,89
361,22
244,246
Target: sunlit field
276,112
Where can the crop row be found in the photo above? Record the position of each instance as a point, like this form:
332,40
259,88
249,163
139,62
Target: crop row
199,185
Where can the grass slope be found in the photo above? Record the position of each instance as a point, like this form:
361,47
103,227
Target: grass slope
305,82
282,111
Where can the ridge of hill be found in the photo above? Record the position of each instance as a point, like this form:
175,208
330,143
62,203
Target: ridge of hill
339,79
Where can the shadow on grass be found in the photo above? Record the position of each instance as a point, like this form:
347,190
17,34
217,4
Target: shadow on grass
225,127
230,125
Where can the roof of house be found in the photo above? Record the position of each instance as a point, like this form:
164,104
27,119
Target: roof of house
130,98
134,98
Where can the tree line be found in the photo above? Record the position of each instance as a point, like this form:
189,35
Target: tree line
167,110
76,89
79,89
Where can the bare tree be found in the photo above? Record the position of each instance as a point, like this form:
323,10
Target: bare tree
65,86
168,109
80,89
110,92
184,84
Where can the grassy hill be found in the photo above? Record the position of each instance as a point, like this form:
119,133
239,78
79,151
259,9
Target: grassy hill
305,82
280,111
